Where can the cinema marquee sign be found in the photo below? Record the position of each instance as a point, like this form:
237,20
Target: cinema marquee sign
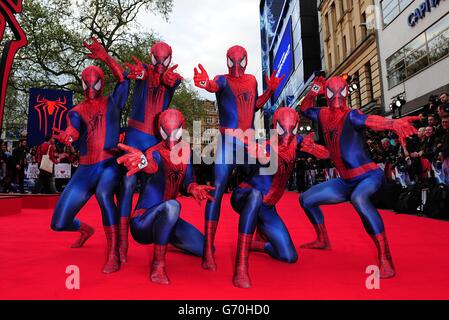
420,13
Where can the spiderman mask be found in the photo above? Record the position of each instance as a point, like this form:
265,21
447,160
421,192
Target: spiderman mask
93,82
161,55
171,124
337,93
237,61
286,123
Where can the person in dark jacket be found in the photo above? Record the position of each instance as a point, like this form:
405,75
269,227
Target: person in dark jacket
443,147
428,148
16,167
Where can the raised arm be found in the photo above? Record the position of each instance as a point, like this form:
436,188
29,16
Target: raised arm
308,104
272,84
197,191
402,127
120,94
97,52
308,145
72,132
202,81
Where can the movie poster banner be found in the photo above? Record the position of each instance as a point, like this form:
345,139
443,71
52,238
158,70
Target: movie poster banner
47,110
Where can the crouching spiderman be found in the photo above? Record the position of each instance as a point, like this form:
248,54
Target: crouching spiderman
156,218
256,198
155,85
342,130
238,101
95,123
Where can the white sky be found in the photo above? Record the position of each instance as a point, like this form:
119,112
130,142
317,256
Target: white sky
201,31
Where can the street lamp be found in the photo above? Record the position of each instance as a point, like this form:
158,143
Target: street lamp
396,104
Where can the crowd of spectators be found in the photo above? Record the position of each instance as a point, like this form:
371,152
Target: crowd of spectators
13,165
425,160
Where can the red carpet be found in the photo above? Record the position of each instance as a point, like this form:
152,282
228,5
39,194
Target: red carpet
33,260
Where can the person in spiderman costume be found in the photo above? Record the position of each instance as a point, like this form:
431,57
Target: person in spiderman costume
238,101
95,123
342,130
255,199
155,85
156,218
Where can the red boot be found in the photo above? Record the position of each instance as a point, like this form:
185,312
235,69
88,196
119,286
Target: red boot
86,232
157,273
259,241
112,260
241,277
123,239
322,241
384,256
208,256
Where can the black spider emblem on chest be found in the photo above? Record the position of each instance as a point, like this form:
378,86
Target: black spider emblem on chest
95,121
174,174
246,96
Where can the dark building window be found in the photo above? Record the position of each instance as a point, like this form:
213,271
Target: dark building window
426,49
369,82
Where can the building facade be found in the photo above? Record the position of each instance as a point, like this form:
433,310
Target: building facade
349,46
414,51
290,46
210,123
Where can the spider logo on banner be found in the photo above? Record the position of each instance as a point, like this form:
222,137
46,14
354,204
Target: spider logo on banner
50,108
47,110
8,8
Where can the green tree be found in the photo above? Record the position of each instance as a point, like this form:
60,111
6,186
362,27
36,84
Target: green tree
189,103
55,56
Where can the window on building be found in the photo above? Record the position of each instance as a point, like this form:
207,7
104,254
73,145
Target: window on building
438,40
326,24
337,55
345,47
333,17
354,35
416,57
428,48
392,8
396,68
369,82
363,25
329,61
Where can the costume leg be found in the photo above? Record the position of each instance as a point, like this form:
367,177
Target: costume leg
372,221
125,201
126,195
279,244
79,190
330,192
187,238
247,201
156,225
105,193
222,173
